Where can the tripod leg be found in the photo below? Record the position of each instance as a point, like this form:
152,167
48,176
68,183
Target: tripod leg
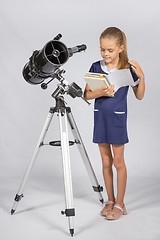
69,211
97,188
19,195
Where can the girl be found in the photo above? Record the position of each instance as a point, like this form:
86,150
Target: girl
110,116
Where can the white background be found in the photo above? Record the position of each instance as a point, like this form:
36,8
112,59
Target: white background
27,26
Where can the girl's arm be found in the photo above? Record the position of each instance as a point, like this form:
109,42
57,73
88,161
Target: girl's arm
140,88
104,91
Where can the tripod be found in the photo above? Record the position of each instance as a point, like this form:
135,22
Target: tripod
64,113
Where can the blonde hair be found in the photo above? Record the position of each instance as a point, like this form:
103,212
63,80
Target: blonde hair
113,32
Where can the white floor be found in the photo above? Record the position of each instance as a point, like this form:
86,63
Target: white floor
38,214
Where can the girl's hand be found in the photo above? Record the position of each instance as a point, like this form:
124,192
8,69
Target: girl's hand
136,68
107,91
103,91
140,88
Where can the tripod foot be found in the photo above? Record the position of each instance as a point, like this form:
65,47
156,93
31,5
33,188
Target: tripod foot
71,232
12,211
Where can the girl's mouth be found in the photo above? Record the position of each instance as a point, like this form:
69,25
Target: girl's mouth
107,58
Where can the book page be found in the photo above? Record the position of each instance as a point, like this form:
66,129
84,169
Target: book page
121,78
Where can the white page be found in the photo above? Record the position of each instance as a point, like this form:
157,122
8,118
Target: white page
121,78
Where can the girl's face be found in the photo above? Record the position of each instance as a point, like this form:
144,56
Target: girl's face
110,50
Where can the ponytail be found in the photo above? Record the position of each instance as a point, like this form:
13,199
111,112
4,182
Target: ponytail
123,56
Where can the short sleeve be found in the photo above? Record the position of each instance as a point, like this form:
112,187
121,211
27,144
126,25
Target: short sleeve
92,68
135,77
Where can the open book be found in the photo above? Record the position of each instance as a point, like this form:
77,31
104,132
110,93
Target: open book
119,78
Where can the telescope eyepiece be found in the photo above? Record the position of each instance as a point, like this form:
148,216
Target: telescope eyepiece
76,49
82,47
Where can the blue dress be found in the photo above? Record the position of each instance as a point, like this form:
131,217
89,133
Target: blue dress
110,113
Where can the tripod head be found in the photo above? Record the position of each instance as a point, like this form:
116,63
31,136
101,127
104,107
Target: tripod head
64,87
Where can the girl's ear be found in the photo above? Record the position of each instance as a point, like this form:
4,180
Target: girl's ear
121,48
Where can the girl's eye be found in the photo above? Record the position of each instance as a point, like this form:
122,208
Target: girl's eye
102,50
110,50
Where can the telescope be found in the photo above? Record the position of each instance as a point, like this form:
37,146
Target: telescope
46,62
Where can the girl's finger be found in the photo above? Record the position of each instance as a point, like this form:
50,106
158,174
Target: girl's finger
133,63
133,67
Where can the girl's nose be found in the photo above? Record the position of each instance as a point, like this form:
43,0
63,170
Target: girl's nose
106,53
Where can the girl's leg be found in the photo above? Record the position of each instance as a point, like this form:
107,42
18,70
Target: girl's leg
118,161
107,161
